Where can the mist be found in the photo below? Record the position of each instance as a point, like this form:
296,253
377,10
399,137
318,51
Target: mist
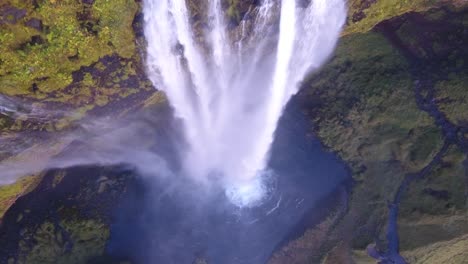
103,141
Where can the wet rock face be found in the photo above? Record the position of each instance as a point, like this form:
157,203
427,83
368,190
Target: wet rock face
235,11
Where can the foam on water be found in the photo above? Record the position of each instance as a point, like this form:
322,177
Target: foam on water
253,192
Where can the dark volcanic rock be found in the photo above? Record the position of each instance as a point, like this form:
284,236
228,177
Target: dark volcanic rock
442,195
11,14
34,23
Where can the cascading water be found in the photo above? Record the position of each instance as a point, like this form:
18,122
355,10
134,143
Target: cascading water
230,85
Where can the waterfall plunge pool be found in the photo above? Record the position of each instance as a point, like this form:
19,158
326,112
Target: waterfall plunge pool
167,222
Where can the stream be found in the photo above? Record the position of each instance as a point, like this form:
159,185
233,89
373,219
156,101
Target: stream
424,92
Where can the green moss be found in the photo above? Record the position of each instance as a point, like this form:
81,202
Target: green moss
102,100
381,10
73,241
428,232
446,182
9,193
369,108
365,110
426,141
453,98
116,17
88,80
233,11
447,252
64,46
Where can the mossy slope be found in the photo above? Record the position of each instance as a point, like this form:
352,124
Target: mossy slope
363,106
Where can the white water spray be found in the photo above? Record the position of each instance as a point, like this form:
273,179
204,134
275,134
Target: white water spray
231,86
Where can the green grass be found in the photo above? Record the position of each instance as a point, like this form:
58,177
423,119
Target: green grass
453,97
368,115
382,10
447,252
448,177
85,239
9,193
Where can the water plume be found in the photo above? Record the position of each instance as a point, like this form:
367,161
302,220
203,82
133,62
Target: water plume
230,86
96,142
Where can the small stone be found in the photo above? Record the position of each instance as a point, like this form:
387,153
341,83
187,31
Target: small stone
34,23
34,87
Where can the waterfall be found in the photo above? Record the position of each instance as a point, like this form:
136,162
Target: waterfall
230,86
